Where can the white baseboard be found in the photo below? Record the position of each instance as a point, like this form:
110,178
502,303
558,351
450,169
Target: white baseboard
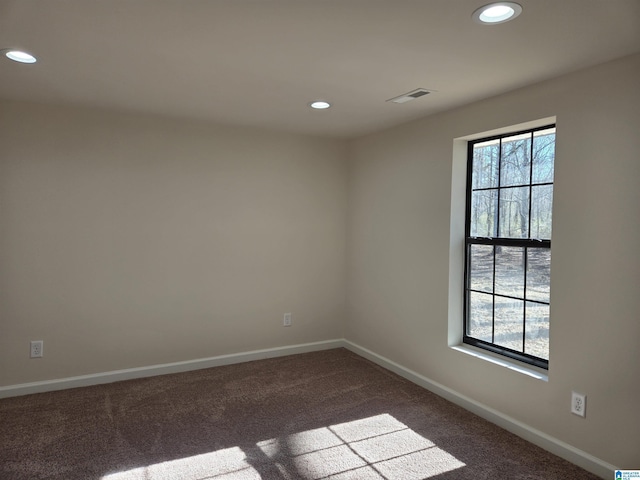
154,370
557,447
553,445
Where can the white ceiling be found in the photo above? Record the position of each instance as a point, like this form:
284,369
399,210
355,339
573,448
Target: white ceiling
260,62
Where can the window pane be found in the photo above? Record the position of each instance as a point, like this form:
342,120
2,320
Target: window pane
481,268
510,271
510,192
509,317
541,203
480,316
538,274
515,166
537,334
514,212
544,142
485,164
484,204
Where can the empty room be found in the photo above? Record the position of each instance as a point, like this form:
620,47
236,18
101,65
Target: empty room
319,239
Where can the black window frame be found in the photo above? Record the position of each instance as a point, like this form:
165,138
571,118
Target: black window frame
497,242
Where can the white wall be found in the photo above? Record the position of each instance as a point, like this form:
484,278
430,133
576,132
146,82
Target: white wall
131,241
400,233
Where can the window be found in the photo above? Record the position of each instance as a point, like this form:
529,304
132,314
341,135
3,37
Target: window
508,244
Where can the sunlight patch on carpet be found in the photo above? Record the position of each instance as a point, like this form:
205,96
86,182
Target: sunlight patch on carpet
227,464
373,448
378,447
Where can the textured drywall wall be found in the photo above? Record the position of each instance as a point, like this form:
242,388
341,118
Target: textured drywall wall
131,241
402,240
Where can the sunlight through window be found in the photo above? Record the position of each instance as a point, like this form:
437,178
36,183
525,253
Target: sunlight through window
374,448
227,464
378,447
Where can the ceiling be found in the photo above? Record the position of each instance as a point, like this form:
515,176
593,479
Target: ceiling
260,62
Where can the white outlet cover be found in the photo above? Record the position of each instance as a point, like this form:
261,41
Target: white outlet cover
36,349
578,404
287,320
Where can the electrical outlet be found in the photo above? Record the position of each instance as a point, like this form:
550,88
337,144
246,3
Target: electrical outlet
578,404
286,322
36,348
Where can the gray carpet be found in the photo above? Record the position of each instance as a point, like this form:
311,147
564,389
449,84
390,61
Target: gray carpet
321,415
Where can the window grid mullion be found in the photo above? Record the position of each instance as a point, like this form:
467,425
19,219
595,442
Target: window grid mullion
526,249
497,215
484,189
498,231
524,295
493,298
540,302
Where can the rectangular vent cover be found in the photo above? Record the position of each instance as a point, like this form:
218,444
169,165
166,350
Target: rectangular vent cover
406,97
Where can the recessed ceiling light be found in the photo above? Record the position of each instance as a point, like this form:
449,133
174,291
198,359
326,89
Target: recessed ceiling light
497,12
320,105
19,56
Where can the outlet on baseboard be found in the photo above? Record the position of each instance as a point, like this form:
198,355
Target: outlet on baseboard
36,348
286,322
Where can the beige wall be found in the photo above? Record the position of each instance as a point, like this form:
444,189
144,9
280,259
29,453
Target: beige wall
131,241
401,232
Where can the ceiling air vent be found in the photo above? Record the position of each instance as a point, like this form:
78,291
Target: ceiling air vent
419,92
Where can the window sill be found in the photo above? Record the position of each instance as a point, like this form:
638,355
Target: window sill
503,362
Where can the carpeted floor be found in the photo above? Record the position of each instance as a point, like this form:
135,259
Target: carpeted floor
329,414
